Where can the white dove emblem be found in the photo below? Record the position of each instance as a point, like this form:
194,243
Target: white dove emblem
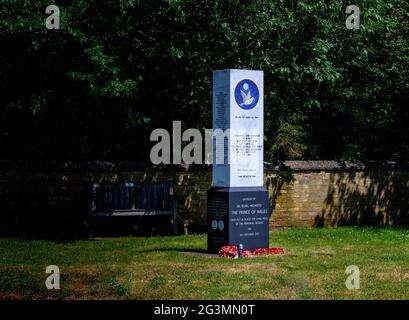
247,98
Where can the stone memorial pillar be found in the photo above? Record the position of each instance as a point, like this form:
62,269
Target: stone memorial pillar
237,202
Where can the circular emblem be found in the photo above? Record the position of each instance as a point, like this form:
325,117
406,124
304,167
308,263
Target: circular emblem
221,225
246,94
214,224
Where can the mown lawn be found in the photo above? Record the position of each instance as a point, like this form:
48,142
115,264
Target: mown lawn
161,267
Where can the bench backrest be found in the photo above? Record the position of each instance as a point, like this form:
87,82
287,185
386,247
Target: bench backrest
132,196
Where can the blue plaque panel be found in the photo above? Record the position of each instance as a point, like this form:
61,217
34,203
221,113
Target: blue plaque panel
237,216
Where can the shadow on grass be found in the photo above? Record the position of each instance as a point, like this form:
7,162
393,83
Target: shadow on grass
192,250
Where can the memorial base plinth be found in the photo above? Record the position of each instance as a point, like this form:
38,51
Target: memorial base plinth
237,216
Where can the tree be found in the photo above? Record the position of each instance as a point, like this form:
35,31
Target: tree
116,70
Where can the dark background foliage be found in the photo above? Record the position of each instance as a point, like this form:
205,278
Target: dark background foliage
116,70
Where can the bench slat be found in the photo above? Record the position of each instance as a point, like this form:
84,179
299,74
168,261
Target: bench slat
132,199
130,196
130,213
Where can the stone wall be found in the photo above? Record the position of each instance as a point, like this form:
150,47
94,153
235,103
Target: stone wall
327,193
302,193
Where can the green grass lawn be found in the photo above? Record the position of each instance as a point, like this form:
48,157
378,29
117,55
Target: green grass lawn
161,267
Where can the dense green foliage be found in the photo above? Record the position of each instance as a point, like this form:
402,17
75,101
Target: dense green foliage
118,69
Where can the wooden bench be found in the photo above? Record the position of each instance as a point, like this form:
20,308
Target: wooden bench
130,199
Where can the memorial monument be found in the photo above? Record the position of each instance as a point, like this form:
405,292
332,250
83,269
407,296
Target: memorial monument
237,202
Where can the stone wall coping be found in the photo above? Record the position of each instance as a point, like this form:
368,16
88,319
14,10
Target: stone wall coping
128,166
331,165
